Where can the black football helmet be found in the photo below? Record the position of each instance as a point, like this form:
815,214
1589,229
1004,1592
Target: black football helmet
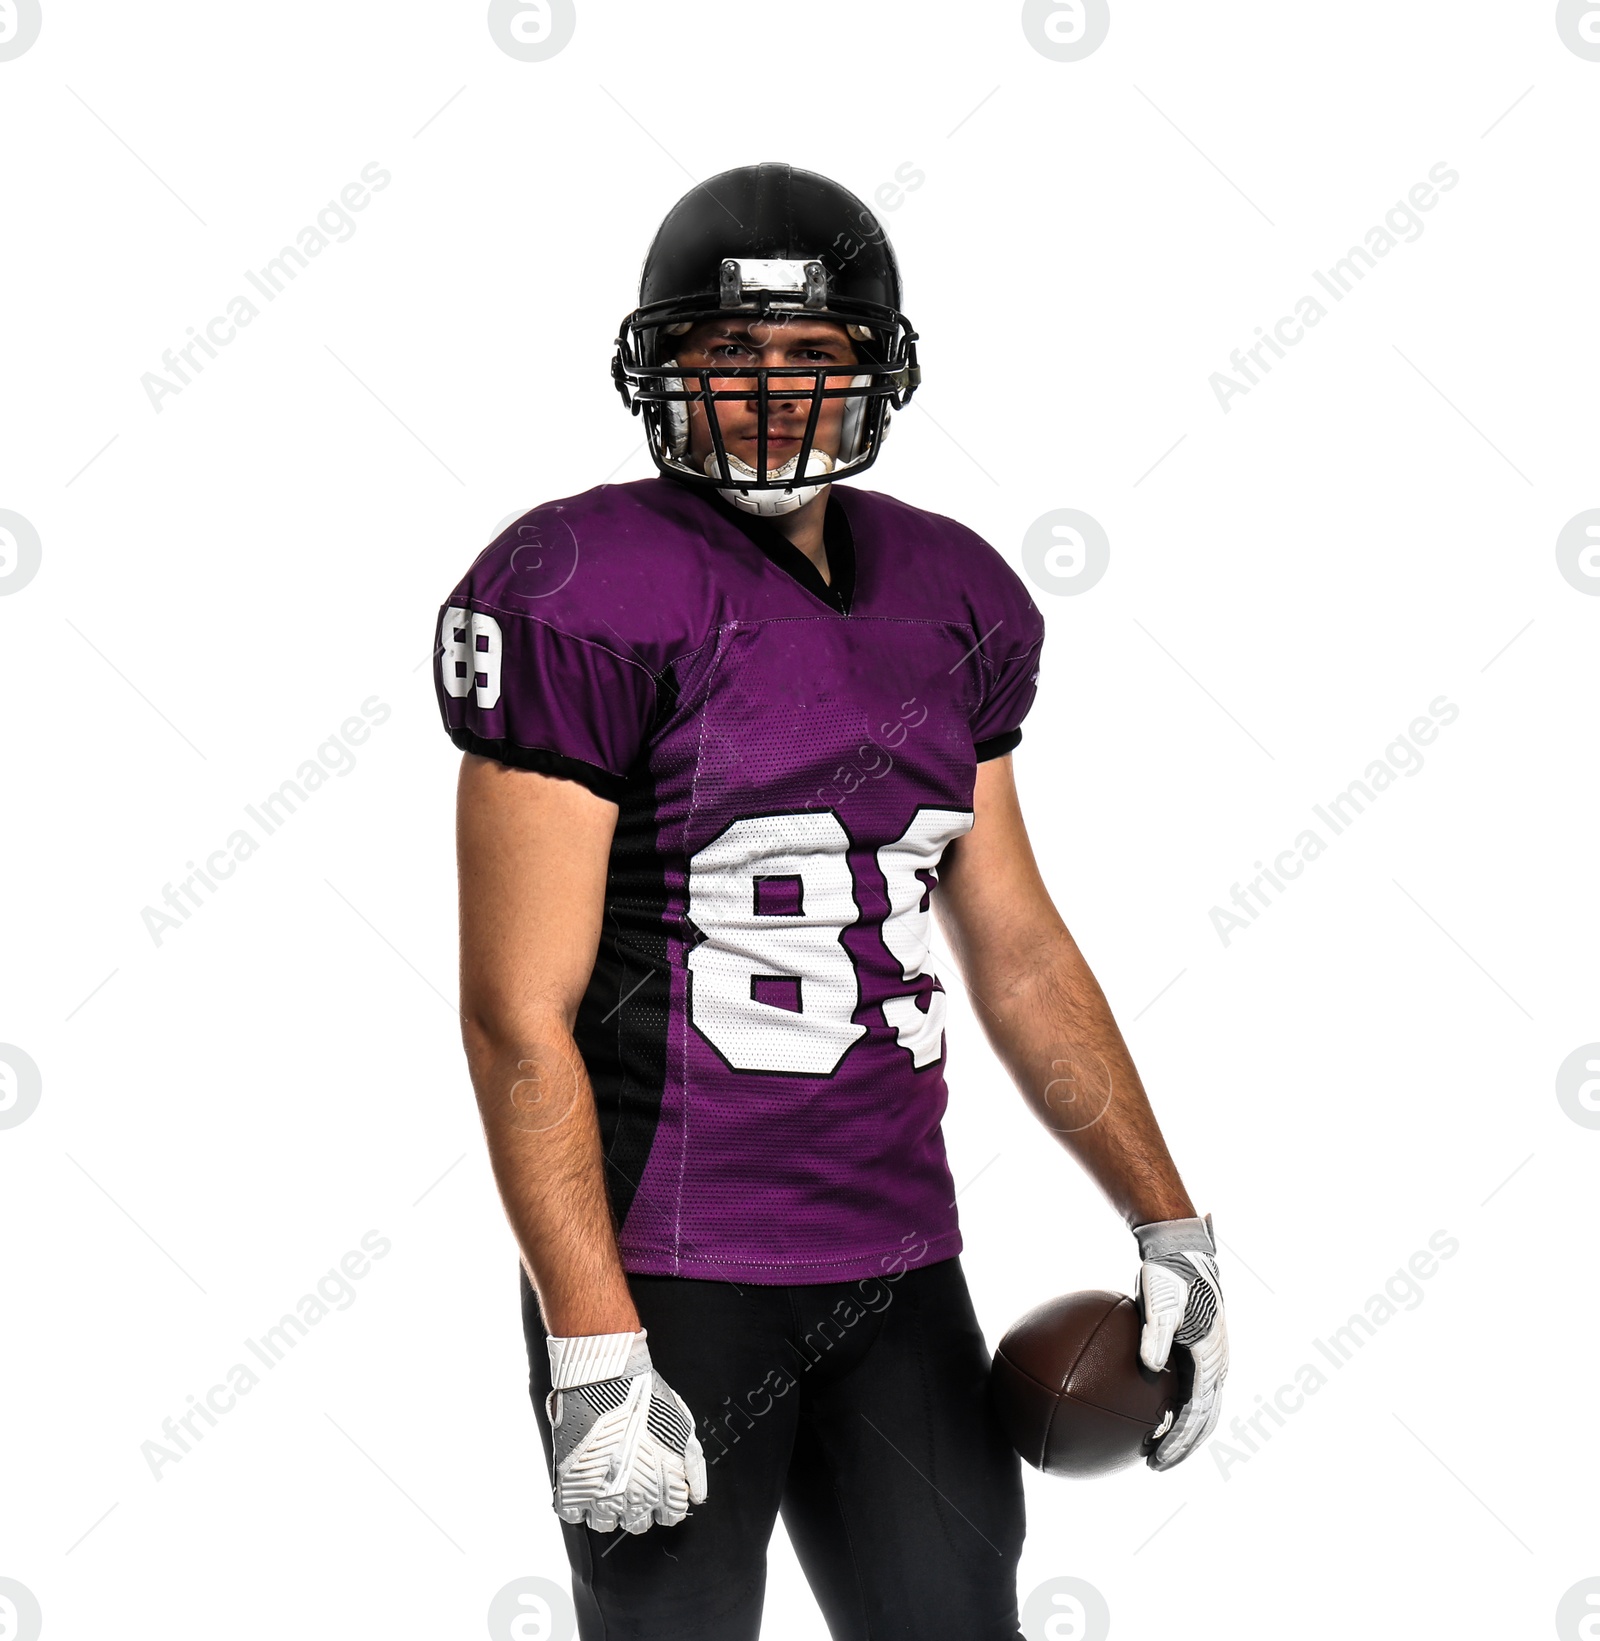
767,240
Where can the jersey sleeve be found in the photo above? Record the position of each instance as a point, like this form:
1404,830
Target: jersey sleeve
516,689
530,667
1010,673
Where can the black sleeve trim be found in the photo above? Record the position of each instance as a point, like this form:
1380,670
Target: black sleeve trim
544,762
997,746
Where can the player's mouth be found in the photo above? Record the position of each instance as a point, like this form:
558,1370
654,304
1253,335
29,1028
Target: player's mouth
777,441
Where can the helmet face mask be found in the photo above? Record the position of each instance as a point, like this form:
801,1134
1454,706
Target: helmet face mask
763,249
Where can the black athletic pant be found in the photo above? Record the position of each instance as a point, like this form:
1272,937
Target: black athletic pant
860,1410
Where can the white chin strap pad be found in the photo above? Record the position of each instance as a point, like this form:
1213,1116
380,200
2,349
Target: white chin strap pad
770,503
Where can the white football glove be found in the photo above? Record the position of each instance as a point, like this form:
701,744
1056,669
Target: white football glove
625,1449
1181,1298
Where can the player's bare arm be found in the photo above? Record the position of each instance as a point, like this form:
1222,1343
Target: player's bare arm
1049,1023
1043,1010
532,853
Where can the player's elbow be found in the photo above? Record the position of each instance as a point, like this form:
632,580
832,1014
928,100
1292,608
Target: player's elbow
526,1070
491,1028
498,1036
1018,959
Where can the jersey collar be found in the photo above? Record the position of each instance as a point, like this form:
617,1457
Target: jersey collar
838,541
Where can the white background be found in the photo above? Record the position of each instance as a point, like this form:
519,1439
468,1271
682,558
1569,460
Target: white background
1370,1061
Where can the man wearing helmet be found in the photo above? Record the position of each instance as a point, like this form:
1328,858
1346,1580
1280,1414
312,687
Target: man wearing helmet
733,738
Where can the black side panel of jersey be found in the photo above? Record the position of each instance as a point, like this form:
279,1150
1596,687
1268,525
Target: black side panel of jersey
621,1029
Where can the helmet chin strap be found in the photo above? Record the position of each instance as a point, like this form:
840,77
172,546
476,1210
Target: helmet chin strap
771,503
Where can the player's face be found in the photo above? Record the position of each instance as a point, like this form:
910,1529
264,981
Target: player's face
775,340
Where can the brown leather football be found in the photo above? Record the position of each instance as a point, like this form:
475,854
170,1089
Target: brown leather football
1070,1390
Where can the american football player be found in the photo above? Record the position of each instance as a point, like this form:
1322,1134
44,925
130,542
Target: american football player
734,735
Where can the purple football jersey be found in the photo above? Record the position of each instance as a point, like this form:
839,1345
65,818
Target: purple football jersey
763,1029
